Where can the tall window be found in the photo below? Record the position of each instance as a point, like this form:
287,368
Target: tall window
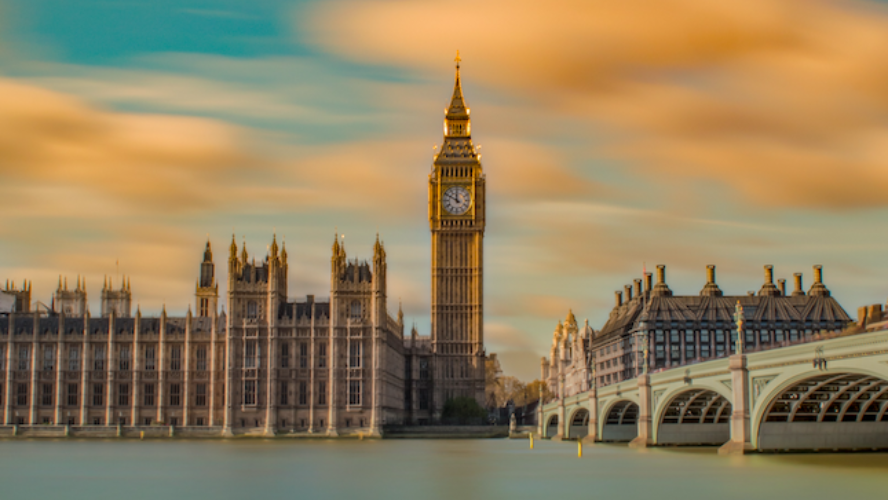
98,394
322,392
46,399
123,395
125,357
322,355
423,399
148,396
424,368
303,355
201,358
22,395
74,359
354,355
251,351
99,361
355,310
149,359
303,392
285,388
175,394
354,392
48,358
23,358
72,394
200,395
252,309
285,355
176,358
2,357
249,392
204,307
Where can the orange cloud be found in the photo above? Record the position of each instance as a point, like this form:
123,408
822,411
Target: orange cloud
758,95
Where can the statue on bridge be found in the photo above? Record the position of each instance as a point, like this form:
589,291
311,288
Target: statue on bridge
738,318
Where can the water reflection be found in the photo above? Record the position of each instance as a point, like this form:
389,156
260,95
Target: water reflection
427,469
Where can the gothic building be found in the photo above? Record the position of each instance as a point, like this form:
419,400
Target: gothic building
261,362
649,323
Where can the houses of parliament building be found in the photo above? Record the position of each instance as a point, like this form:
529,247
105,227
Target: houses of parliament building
265,363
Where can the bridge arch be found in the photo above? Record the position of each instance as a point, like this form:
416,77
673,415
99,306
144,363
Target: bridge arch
551,428
577,425
694,415
620,421
835,409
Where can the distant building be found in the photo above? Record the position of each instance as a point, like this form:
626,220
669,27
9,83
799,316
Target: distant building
678,330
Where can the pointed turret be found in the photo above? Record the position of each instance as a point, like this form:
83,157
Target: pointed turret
232,249
456,117
244,255
274,246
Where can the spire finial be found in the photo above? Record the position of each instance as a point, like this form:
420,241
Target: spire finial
457,59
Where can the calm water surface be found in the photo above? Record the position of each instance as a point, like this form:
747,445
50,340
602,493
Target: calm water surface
421,469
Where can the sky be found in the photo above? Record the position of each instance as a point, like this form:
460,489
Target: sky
615,136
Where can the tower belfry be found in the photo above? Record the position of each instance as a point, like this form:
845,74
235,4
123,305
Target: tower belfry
457,221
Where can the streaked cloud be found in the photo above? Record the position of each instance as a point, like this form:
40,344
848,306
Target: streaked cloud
754,94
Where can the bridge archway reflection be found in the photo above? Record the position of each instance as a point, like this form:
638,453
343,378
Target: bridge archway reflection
829,411
621,423
696,416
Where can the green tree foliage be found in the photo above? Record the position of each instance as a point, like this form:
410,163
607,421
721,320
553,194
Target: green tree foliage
463,409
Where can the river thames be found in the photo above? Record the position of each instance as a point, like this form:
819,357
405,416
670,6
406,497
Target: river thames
426,469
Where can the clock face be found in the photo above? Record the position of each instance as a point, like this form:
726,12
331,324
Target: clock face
457,200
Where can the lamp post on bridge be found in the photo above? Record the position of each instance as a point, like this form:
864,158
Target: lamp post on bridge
740,431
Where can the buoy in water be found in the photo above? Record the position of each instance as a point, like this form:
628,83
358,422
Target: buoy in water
579,449
531,441
142,435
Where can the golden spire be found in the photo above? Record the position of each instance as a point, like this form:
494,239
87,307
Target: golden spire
457,110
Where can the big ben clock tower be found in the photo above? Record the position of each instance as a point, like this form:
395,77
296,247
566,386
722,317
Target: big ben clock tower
456,217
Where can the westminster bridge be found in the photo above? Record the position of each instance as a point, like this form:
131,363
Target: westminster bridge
827,394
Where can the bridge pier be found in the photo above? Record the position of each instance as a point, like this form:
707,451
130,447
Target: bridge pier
592,434
560,435
740,442
645,436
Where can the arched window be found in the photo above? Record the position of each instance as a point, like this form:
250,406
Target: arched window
355,310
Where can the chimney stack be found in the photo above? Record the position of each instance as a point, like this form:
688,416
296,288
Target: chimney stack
769,274
798,284
661,274
618,299
628,289
782,285
710,274
647,282
638,288
818,274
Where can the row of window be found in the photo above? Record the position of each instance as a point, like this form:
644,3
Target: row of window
253,353
355,390
98,394
124,358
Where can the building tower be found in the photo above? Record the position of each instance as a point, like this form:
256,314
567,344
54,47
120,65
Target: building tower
118,302
71,302
456,218
207,289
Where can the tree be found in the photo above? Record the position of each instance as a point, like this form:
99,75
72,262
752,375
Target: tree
533,391
463,409
492,382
